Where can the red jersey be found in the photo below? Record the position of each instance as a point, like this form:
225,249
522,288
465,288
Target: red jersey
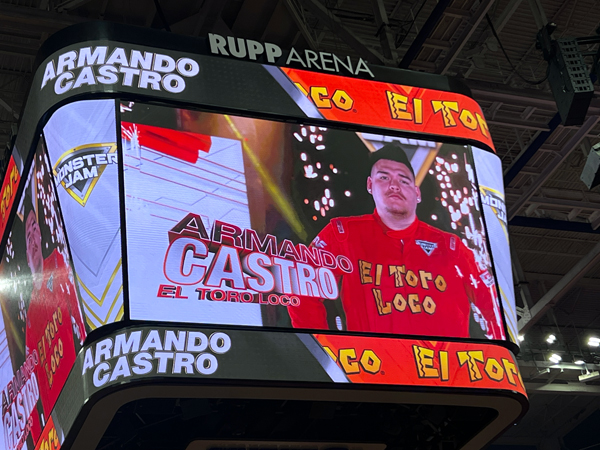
53,322
420,281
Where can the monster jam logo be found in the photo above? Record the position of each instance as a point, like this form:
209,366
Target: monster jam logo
79,169
494,200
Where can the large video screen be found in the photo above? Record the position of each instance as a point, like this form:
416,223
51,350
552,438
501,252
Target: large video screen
42,326
241,221
491,191
82,146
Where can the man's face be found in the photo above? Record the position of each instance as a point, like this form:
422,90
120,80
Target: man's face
33,238
393,188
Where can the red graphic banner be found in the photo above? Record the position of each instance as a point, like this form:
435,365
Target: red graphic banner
9,190
393,106
424,363
49,439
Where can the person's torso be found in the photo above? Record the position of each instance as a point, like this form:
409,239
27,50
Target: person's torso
50,332
408,284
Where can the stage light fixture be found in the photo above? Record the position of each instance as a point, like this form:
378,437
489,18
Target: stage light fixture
594,342
579,362
521,338
589,376
551,339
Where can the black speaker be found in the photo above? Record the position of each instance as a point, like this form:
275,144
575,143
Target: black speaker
590,174
570,81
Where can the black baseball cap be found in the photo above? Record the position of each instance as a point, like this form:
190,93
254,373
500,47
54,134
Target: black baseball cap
393,152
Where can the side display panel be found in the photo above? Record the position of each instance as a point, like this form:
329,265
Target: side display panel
244,354
83,152
42,321
491,190
243,221
10,185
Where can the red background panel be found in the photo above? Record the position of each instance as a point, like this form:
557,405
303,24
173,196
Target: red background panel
393,106
424,363
9,190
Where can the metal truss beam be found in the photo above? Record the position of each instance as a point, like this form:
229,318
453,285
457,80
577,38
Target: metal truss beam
9,108
18,50
569,388
301,24
506,14
210,13
423,35
205,20
551,224
538,12
517,123
457,13
465,35
336,25
525,156
553,278
568,425
426,30
41,21
549,198
70,4
386,37
563,366
436,43
520,281
561,288
565,203
494,92
550,168
499,24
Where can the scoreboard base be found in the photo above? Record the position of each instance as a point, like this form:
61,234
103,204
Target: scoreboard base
228,417
193,388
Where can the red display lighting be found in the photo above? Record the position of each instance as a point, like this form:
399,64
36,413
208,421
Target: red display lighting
393,106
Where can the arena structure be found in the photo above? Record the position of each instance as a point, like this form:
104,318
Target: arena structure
178,270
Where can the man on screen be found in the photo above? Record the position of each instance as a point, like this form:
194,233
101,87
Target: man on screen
54,322
408,277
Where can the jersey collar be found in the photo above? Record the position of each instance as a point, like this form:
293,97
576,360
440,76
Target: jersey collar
397,234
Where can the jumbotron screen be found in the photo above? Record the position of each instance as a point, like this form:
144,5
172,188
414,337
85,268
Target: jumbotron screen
232,220
42,326
241,221
230,201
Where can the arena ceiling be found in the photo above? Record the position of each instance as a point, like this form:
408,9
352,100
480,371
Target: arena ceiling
554,219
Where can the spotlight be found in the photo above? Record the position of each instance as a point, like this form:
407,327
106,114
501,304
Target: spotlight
551,339
594,342
579,362
589,376
555,358
521,338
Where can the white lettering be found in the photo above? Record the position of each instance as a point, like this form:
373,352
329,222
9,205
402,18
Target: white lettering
89,58
273,52
63,83
49,73
66,61
217,44
188,67
254,49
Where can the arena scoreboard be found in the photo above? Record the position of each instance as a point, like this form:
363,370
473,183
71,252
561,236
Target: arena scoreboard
199,251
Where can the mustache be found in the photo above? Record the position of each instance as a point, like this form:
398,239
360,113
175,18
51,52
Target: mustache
389,194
